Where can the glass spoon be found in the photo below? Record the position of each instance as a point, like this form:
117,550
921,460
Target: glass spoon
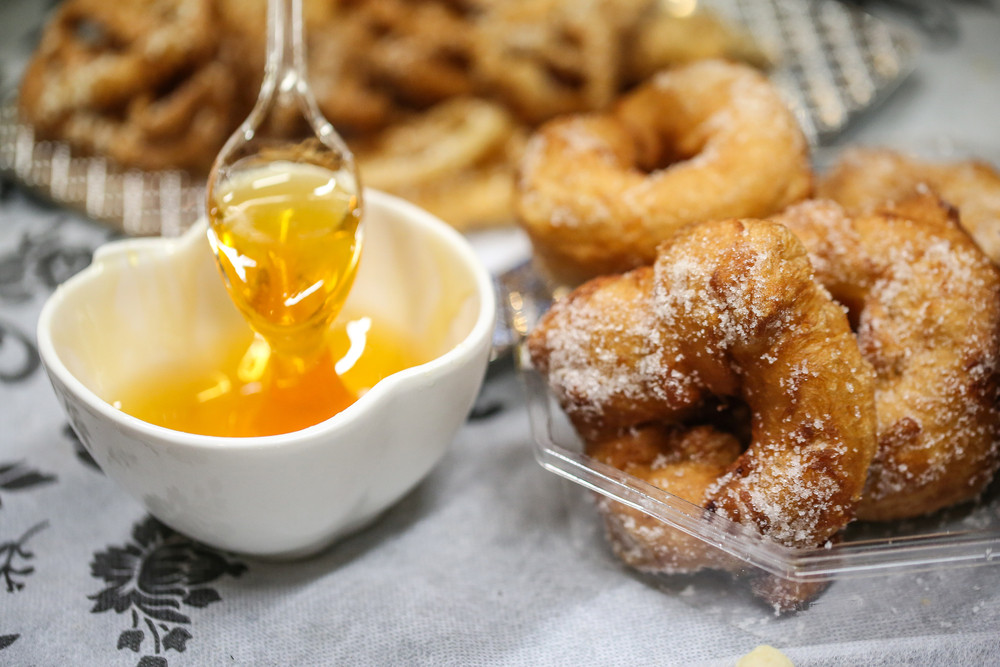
284,205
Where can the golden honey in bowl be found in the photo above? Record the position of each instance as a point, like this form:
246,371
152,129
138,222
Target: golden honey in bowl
250,391
288,240
287,237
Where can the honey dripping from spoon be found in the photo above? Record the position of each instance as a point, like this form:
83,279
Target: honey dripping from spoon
285,223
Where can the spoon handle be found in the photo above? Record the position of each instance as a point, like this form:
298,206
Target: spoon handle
285,66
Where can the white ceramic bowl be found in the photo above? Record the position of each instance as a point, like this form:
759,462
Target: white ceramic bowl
143,302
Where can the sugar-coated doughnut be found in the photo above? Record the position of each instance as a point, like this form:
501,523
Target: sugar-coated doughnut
597,193
730,312
927,305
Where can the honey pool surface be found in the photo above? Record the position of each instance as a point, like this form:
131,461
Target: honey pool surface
251,391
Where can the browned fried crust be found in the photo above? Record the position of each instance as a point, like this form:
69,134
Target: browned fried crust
680,460
927,304
730,309
598,193
132,80
864,179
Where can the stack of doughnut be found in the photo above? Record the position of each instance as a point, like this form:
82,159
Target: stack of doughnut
161,84
789,357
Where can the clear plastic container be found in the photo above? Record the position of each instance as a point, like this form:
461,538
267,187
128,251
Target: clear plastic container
933,570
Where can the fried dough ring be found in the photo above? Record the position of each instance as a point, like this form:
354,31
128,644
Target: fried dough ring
681,461
865,178
711,140
927,302
729,310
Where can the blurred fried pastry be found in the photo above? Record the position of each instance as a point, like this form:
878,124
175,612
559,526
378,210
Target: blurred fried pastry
663,38
420,50
455,160
162,84
454,134
551,57
863,179
131,80
475,198
100,56
161,132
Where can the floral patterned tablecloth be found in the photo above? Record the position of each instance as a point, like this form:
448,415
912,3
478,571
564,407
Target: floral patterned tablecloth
479,565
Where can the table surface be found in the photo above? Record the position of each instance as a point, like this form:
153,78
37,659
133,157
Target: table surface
479,565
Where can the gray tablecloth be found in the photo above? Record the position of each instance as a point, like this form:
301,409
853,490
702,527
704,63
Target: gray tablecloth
485,562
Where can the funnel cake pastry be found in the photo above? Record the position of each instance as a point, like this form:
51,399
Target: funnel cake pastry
865,178
927,305
711,140
370,62
132,80
100,55
549,57
730,312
